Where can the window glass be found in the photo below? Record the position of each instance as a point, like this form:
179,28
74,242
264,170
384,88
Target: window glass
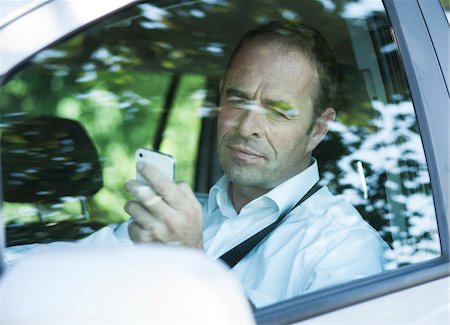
446,7
74,115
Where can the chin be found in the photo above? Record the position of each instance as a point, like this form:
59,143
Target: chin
244,177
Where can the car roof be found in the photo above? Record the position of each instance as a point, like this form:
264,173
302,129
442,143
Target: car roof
11,10
19,42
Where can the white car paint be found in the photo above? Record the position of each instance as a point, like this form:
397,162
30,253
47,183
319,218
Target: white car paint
146,284
424,304
19,41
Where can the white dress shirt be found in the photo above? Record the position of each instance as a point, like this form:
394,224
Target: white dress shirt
322,242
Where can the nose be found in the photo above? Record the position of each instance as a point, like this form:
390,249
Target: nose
251,124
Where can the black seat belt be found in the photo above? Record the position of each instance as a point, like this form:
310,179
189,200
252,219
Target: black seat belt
237,253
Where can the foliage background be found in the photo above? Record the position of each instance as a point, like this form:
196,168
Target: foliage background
115,80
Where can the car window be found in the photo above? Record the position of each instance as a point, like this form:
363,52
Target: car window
74,115
446,7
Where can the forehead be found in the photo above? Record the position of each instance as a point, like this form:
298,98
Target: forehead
274,70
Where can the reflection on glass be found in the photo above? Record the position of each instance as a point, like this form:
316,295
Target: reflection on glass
398,185
150,77
446,7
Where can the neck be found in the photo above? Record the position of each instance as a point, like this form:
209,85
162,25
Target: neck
240,196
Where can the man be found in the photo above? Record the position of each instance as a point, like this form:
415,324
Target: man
275,107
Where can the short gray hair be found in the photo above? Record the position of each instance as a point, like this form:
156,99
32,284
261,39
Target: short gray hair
313,45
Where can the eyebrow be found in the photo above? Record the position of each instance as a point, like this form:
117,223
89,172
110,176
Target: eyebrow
278,104
237,93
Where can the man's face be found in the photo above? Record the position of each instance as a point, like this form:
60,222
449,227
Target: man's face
266,109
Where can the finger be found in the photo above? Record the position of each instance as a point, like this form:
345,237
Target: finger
139,234
148,199
154,176
139,190
190,195
140,215
151,227
187,191
162,185
158,226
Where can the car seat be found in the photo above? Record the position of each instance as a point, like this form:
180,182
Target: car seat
46,160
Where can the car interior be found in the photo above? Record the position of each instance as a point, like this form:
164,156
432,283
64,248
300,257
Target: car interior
149,76
48,160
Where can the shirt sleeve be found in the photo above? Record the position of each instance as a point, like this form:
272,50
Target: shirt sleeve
109,235
347,256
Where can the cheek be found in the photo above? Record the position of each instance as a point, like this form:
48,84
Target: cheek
226,121
287,143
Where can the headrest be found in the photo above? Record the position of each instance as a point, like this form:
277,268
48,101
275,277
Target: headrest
44,158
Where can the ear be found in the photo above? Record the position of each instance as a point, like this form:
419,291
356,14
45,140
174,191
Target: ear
321,128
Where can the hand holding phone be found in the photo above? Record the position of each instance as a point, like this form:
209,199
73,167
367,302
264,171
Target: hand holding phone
149,208
164,162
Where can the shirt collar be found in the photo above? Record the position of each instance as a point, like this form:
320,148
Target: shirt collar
291,191
284,195
218,194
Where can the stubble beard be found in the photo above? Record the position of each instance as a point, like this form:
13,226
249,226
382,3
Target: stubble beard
242,173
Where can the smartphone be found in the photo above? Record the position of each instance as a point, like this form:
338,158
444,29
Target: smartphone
164,162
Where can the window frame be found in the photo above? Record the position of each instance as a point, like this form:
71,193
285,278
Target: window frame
415,45
17,28
429,95
15,25
439,29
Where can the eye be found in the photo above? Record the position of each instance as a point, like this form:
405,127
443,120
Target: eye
281,114
236,102
276,114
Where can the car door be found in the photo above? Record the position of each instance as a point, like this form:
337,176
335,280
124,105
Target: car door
148,75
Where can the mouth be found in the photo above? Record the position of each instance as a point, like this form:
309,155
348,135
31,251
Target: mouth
245,153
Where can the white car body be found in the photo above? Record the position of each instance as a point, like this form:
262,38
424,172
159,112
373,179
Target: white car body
414,295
